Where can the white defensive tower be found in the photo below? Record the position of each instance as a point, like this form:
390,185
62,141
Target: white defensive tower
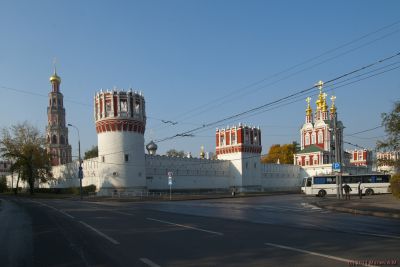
242,146
120,125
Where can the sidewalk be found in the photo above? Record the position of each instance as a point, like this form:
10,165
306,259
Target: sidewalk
376,205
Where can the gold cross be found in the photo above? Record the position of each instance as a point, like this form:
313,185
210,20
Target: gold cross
333,99
54,63
308,99
319,85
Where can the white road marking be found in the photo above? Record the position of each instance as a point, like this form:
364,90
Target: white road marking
149,262
347,261
51,207
112,240
379,235
186,226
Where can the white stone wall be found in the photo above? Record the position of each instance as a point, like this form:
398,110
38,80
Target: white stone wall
188,173
236,167
67,175
281,177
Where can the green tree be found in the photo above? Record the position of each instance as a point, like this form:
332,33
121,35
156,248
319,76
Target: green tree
24,146
92,153
175,153
391,122
282,153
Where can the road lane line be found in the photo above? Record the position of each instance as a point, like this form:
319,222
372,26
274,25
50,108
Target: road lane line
112,240
379,235
51,207
348,261
149,262
186,226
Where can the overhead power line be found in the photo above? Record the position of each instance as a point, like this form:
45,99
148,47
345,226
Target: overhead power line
280,100
364,131
277,74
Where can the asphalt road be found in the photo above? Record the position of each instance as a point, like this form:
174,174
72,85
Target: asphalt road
280,230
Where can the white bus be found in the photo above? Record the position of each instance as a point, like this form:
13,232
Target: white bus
322,185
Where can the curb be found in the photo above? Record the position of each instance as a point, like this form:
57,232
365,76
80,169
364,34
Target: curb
360,212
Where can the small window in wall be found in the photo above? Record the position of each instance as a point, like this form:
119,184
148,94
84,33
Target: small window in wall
246,137
247,165
108,108
255,165
124,105
222,140
137,106
233,137
103,159
126,157
54,139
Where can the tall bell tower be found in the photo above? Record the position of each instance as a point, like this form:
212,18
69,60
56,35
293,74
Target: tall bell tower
56,131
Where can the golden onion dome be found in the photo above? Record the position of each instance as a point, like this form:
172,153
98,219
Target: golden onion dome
55,77
308,110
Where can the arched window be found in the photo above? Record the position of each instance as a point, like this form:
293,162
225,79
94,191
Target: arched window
54,139
307,137
320,137
313,137
62,140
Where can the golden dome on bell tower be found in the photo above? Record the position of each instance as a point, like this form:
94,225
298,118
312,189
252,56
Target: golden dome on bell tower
308,110
55,77
333,107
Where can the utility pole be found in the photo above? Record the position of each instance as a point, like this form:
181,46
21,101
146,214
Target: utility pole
338,156
338,189
80,171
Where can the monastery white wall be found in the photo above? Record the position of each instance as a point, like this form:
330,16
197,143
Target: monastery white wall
121,155
281,177
67,175
188,173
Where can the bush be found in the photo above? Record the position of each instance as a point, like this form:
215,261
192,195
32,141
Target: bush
68,190
395,185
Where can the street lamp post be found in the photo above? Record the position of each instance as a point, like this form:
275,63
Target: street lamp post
80,174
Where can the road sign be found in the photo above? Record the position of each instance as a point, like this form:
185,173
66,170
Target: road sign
336,167
170,183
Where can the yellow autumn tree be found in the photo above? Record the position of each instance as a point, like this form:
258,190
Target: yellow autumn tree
282,152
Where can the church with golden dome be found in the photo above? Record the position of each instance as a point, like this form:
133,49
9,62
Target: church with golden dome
316,137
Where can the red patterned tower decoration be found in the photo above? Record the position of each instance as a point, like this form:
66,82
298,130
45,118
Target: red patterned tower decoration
57,132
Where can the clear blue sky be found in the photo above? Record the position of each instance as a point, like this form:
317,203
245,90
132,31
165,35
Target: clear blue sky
186,54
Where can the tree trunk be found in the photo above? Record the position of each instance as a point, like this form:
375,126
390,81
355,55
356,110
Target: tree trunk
16,186
31,185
